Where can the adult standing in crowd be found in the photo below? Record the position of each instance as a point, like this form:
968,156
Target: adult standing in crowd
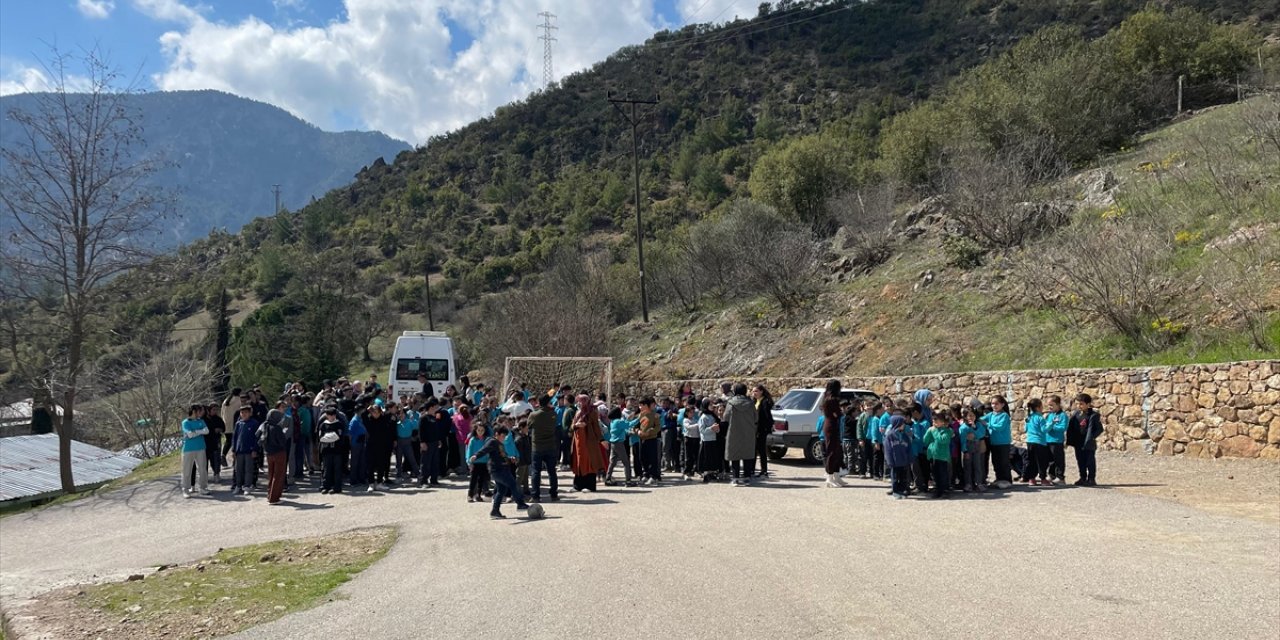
276,445
213,440
546,448
764,425
740,442
587,457
833,456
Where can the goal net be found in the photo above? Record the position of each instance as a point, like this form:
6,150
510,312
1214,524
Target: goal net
541,375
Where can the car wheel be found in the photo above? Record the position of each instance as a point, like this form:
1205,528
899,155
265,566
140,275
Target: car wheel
777,453
815,451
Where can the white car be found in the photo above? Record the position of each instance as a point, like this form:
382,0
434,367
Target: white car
795,420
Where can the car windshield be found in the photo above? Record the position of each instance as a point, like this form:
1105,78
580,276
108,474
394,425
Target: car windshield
798,400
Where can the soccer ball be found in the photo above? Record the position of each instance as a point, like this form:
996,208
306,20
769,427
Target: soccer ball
535,512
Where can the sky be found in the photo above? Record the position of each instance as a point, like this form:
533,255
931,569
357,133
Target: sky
409,68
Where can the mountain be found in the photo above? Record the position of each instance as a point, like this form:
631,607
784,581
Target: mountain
226,153
769,135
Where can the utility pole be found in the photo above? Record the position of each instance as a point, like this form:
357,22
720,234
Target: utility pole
547,39
1180,79
275,188
635,169
426,277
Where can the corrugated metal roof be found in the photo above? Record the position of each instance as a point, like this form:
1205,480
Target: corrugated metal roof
29,465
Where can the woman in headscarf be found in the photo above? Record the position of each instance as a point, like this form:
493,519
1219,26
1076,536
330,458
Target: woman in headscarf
924,398
587,459
831,413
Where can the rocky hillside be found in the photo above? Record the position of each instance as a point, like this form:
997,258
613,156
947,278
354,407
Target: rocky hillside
1213,177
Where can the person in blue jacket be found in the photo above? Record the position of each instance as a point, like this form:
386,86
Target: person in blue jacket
897,455
244,444
998,428
359,443
618,437
479,485
1055,434
874,459
920,468
1037,451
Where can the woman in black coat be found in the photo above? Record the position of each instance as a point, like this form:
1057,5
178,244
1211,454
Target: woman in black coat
764,425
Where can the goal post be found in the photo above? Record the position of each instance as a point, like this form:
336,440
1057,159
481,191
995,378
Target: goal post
540,374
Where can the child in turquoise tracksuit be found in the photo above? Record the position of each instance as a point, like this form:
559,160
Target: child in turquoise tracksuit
1055,435
937,443
1037,452
479,485
921,467
1001,438
972,434
619,434
871,444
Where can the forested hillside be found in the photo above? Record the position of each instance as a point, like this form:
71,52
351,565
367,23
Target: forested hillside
793,163
222,153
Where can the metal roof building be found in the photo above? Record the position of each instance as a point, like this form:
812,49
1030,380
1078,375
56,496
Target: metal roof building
29,467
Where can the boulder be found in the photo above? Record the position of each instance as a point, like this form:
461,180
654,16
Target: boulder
1165,448
1273,432
1240,446
1174,431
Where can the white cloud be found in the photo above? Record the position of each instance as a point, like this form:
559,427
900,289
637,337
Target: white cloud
16,77
388,64
95,9
170,10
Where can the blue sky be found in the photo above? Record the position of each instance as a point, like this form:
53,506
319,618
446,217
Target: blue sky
412,68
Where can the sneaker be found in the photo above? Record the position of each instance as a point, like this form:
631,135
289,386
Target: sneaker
1079,483
555,498
244,492
324,492
899,496
204,492
1091,483
497,516
188,494
369,489
1034,482
522,506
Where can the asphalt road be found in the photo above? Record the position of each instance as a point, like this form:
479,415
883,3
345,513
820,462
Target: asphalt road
787,558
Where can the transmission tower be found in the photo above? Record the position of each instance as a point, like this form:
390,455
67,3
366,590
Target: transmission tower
547,39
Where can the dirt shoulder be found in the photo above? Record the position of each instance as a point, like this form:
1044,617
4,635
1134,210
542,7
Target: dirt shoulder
1228,486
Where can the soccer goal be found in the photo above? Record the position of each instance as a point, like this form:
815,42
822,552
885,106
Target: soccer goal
540,375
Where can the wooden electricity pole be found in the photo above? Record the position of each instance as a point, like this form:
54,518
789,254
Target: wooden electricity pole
635,169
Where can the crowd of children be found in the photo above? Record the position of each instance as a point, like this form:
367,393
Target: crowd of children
352,437
927,447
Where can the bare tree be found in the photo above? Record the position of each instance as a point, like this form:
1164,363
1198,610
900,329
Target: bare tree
990,195
373,320
865,216
1232,273
565,314
770,254
1116,272
71,187
157,393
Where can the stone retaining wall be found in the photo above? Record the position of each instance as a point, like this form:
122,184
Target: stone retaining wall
1206,411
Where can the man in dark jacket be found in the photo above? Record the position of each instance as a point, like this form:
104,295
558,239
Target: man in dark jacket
545,449
382,438
1086,426
432,431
